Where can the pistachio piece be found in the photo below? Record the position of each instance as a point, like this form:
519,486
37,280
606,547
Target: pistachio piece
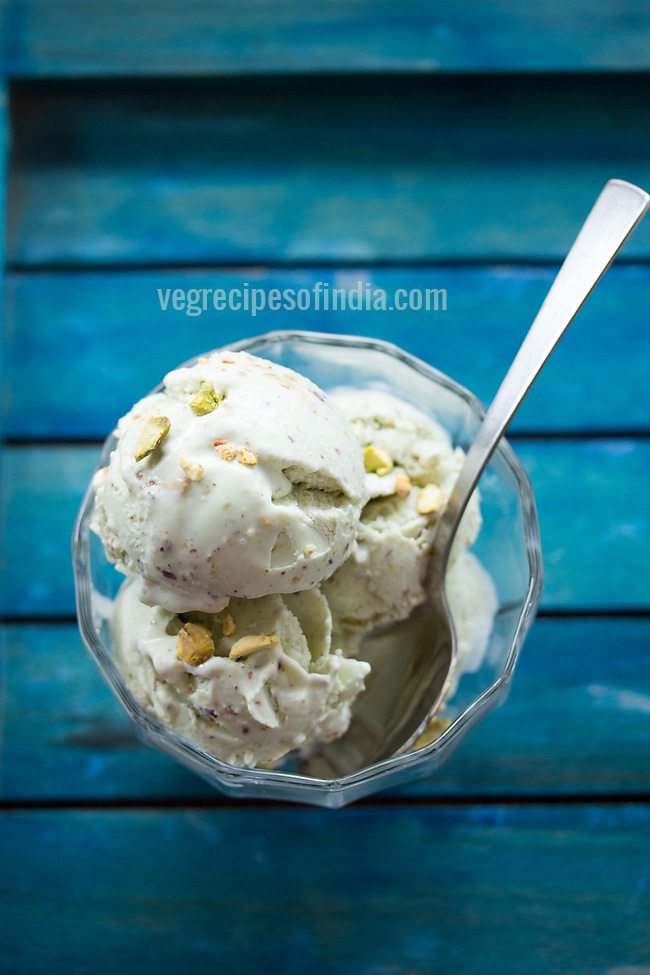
193,470
226,450
402,485
249,644
152,434
430,500
247,457
228,625
432,731
206,400
194,644
376,460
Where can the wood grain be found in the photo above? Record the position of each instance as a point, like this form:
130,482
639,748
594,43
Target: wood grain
545,890
324,170
123,343
577,723
594,518
71,39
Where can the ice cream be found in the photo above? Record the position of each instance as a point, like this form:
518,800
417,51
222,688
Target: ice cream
239,478
266,530
411,467
247,685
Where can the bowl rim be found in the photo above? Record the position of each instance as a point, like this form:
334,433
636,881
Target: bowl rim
231,775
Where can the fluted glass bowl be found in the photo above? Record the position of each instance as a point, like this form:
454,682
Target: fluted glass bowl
508,546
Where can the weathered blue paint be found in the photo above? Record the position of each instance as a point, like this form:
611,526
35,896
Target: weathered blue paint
577,722
67,39
340,171
357,172
483,889
124,343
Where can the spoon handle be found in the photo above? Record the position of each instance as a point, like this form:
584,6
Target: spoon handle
615,214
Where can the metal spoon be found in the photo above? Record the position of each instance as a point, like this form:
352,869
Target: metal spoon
412,661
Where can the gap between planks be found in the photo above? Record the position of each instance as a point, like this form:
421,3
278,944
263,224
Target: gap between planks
227,802
117,267
516,435
578,613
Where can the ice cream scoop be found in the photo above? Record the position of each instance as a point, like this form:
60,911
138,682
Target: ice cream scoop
238,478
382,580
247,685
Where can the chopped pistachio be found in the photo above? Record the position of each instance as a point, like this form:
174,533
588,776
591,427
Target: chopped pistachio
377,460
152,434
249,644
432,731
228,625
247,457
226,451
193,470
402,485
430,500
206,400
194,644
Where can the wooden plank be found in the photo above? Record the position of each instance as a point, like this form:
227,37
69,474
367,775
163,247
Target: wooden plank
143,38
488,310
4,149
545,890
323,170
576,723
594,517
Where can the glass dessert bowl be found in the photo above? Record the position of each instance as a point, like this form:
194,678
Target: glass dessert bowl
508,546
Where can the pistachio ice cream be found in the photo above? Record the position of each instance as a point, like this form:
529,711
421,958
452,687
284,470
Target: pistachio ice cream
249,684
240,478
411,467
266,529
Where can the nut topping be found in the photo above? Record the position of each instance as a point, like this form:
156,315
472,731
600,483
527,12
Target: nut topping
228,625
194,644
247,457
376,460
402,485
430,500
193,470
206,400
226,451
152,434
250,644
432,731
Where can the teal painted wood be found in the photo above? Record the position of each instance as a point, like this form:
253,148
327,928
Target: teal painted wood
4,149
321,170
200,37
544,890
593,510
577,722
123,343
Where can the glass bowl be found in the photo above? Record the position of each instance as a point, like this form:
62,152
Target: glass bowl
508,546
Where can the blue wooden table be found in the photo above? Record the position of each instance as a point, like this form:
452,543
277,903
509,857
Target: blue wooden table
157,144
